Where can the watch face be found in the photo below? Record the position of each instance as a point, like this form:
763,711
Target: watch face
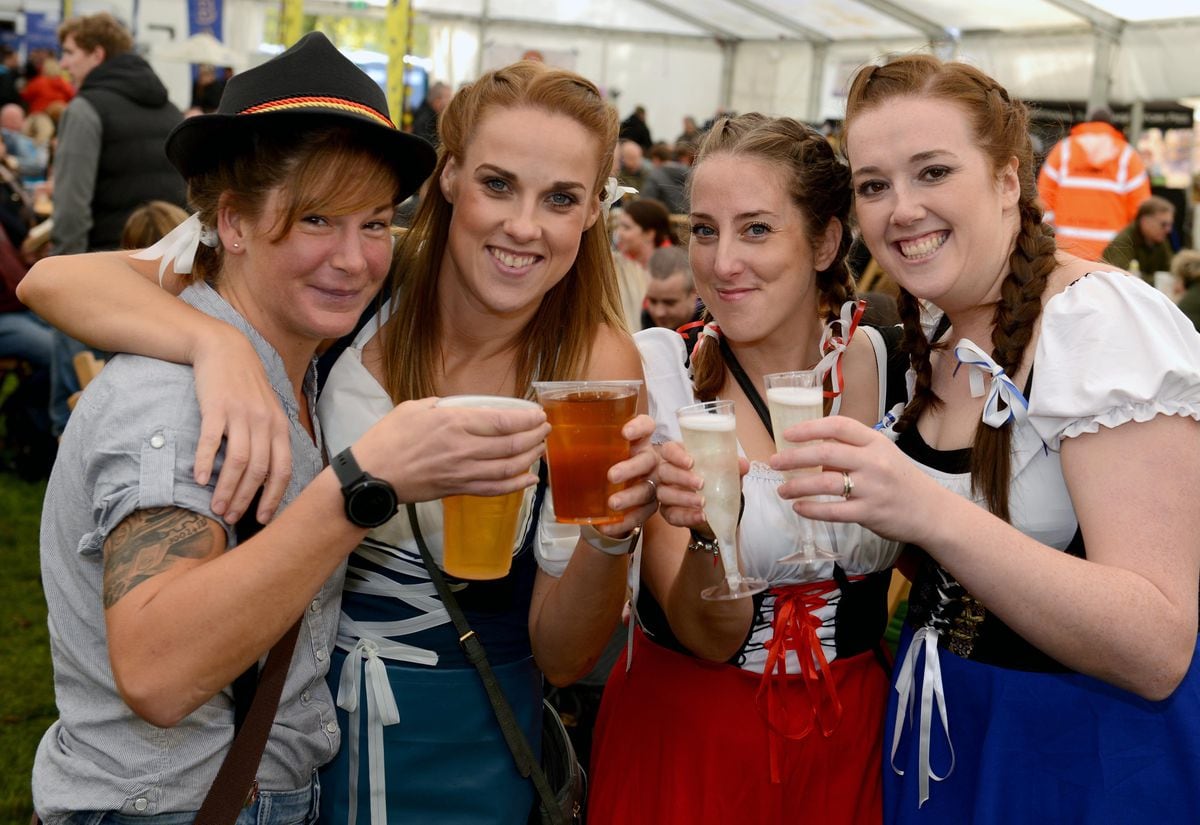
372,504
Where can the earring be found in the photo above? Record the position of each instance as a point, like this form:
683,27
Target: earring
236,245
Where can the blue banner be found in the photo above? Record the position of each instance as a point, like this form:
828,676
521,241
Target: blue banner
204,17
41,31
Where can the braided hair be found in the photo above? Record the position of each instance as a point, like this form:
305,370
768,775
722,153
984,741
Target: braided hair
1001,128
818,183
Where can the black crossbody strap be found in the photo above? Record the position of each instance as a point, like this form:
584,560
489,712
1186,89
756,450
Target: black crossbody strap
257,700
527,764
747,386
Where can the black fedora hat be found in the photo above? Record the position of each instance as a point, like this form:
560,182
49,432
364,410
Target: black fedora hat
309,83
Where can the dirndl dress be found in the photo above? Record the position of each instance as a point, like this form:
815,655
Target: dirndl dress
421,742
983,727
789,730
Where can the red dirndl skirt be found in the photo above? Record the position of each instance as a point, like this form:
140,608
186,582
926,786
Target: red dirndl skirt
682,740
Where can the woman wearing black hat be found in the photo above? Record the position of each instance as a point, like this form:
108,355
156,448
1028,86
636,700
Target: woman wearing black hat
506,277
154,610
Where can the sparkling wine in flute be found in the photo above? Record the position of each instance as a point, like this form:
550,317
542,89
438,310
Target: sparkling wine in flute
793,397
790,406
710,437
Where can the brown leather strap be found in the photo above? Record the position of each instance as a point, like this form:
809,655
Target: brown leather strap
230,791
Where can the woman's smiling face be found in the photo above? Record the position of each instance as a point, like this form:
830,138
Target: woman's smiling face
753,259
935,213
522,194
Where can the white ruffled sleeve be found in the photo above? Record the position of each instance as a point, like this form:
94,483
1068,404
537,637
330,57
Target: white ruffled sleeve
668,385
1112,350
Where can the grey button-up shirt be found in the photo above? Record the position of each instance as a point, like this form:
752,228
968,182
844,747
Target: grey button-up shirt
131,445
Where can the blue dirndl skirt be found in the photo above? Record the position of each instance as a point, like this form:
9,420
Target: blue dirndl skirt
1060,748
446,759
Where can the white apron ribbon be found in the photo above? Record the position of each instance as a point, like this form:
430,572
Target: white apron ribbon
381,710
931,692
1002,387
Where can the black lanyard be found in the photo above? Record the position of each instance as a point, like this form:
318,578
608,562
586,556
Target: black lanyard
751,391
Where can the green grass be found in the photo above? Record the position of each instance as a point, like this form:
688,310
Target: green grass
26,683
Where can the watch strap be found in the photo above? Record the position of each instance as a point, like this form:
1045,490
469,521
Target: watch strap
346,468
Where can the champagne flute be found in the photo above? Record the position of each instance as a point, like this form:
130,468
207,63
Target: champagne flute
710,437
793,397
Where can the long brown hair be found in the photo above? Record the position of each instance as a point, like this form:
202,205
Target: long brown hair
557,341
818,184
1001,129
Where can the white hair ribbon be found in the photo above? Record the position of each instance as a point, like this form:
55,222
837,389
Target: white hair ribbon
613,192
1002,387
178,247
709,330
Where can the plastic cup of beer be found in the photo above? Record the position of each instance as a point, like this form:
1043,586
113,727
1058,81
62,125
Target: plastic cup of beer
479,532
585,441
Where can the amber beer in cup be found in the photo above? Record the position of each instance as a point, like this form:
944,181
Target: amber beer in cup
585,440
478,532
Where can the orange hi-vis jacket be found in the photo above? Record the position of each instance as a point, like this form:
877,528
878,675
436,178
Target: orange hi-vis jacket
1091,184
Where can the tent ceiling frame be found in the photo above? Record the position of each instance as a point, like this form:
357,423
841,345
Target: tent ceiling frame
780,20
930,28
333,7
690,19
1097,17
1165,23
580,28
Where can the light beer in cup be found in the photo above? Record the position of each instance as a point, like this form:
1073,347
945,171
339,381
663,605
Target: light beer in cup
585,441
479,532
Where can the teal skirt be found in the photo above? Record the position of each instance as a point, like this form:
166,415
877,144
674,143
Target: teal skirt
446,760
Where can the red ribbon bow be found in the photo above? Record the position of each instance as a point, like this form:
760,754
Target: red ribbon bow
795,629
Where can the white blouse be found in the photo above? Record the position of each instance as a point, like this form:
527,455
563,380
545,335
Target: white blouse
1112,349
769,527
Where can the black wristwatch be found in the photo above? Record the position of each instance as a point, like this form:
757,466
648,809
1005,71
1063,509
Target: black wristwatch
370,501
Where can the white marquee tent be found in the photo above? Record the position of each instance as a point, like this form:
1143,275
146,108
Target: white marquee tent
689,57
794,56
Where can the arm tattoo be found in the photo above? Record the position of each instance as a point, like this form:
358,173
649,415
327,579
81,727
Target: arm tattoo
148,543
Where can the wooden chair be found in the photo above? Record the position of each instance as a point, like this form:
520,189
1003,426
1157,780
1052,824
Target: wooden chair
897,592
87,367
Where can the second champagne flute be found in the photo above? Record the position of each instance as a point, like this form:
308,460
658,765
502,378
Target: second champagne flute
710,436
793,397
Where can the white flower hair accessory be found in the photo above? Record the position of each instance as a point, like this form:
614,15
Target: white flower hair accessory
178,247
613,192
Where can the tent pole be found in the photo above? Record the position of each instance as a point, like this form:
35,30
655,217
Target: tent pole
728,59
816,81
484,12
1137,121
1103,56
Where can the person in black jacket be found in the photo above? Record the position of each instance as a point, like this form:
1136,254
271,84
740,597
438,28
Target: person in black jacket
110,157
634,128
